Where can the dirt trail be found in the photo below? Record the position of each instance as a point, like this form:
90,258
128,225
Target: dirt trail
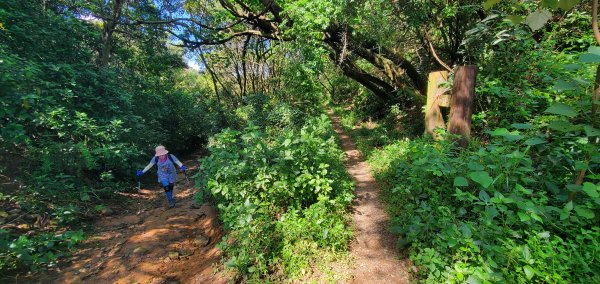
374,248
147,243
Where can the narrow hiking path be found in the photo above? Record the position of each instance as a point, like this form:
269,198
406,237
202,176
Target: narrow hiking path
374,248
144,242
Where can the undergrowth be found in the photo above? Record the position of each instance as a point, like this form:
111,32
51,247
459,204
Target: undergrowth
282,199
502,212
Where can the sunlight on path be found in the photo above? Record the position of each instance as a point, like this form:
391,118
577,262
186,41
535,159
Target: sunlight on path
147,243
374,248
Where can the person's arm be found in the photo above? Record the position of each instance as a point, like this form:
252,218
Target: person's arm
180,164
150,165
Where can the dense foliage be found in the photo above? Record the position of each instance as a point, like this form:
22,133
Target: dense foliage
282,199
277,173
73,131
521,204
495,213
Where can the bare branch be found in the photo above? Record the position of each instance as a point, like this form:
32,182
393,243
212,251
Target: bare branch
195,44
437,58
180,20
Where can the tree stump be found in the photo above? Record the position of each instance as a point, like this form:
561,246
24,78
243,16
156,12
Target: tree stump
461,109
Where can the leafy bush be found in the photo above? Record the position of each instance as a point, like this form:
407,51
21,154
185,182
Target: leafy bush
37,252
282,199
268,114
497,213
283,116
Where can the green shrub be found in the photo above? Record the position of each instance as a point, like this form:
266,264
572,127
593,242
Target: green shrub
492,213
35,252
282,198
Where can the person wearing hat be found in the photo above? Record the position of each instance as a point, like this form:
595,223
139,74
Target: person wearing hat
167,174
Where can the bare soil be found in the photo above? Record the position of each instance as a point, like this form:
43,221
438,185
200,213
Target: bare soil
374,249
145,242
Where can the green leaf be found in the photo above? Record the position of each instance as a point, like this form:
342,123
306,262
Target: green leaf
466,231
523,189
590,189
536,217
515,19
523,217
538,19
591,131
594,50
474,279
561,109
584,212
499,132
489,4
491,212
521,126
508,135
562,125
475,166
484,196
550,4
513,137
482,178
589,58
572,67
287,142
527,254
596,159
579,165
534,141
460,181
529,272
567,4
569,206
562,85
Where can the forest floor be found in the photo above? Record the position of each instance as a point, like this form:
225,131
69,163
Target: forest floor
144,242
374,248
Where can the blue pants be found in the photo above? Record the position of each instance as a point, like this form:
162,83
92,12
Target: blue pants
168,187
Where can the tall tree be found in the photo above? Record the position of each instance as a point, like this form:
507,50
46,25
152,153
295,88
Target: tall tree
110,24
212,23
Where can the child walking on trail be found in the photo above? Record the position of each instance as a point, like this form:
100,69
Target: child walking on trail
167,174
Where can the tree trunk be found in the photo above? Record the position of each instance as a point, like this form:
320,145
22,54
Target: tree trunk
595,97
214,81
108,30
461,109
244,71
